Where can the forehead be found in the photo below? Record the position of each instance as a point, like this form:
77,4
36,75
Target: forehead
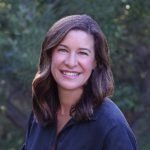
78,37
78,31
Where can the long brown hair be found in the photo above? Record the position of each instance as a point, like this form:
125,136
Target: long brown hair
100,83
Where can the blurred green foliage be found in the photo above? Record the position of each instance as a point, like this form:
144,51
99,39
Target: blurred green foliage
11,138
23,25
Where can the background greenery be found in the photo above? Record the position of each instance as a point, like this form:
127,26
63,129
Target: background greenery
23,25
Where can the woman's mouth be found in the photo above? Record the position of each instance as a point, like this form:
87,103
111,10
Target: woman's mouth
70,74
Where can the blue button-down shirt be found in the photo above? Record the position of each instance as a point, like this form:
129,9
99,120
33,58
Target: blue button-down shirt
107,130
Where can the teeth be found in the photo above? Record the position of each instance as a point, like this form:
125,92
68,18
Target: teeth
70,73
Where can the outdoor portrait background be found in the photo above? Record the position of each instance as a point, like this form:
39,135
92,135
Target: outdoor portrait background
23,25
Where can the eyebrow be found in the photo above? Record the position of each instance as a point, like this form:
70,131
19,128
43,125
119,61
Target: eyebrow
63,46
79,48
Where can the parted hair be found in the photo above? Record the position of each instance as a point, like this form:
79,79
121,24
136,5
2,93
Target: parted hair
99,85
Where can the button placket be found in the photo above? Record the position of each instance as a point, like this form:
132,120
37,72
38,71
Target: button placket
61,134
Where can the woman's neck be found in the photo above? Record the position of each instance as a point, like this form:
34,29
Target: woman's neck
68,99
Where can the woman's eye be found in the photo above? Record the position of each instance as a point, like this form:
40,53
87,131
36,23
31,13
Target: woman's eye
62,50
83,53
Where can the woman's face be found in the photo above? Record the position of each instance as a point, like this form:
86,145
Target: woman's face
73,60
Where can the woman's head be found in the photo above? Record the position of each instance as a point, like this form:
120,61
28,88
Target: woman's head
100,82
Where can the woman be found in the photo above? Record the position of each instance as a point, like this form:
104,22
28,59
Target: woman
71,108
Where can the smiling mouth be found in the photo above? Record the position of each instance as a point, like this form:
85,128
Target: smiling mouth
70,74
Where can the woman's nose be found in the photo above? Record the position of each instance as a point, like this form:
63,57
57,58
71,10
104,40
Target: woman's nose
71,60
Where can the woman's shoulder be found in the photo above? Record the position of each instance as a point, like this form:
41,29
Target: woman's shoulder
109,114
112,123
